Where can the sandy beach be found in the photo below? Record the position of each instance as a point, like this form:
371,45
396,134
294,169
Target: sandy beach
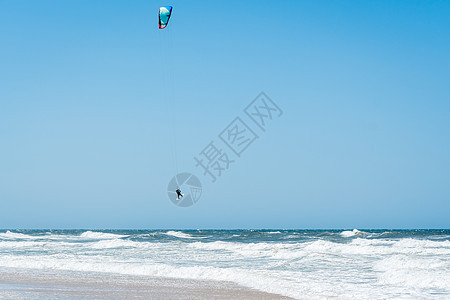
39,284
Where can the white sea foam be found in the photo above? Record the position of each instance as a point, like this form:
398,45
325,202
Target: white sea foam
15,235
255,279
100,235
301,287
316,268
350,233
117,243
180,234
20,244
252,250
415,272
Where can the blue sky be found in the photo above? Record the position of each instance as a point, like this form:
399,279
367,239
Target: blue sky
89,118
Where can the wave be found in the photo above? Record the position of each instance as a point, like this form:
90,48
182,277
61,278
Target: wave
253,279
414,272
321,266
350,233
397,271
182,235
118,243
21,244
16,235
95,235
253,250
49,236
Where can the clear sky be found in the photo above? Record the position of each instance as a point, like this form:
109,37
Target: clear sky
89,119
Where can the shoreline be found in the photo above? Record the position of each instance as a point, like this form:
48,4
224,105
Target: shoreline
34,283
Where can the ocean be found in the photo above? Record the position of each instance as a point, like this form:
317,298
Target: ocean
302,264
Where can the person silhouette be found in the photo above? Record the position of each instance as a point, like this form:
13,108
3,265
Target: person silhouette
179,194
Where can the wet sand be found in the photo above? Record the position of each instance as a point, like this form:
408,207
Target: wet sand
39,284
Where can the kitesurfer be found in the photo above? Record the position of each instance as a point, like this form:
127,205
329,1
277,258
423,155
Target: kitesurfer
179,193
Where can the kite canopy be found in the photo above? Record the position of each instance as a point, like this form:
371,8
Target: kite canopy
164,16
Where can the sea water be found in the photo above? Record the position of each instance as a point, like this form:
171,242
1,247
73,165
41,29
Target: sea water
303,264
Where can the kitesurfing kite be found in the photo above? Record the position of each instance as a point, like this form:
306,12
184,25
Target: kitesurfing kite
164,16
